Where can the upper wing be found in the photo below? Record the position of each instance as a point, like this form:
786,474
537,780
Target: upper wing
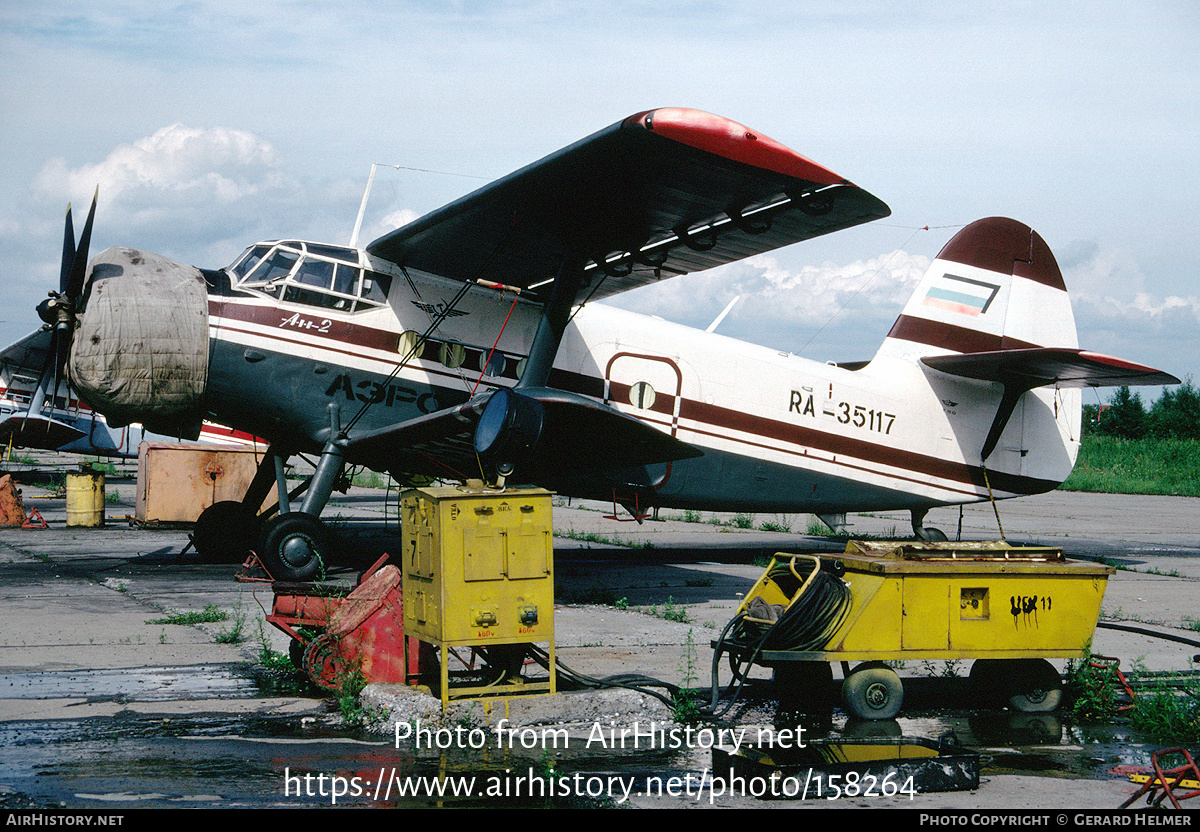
666,191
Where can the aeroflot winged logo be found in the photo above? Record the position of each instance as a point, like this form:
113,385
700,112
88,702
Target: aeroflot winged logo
438,309
961,295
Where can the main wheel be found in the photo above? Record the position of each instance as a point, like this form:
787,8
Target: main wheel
1034,686
873,691
933,535
295,546
225,532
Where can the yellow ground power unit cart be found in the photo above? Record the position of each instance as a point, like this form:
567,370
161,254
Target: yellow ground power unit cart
1008,608
478,584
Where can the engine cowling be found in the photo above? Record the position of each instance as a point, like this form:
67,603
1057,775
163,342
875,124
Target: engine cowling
140,348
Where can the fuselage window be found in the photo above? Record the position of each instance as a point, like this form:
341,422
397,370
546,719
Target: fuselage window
495,365
641,395
453,355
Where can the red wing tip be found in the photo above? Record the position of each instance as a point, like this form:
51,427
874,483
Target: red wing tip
725,137
1128,366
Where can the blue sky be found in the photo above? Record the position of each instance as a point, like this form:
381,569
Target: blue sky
210,125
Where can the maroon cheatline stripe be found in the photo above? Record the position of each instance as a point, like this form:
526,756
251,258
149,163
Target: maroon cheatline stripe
951,337
714,416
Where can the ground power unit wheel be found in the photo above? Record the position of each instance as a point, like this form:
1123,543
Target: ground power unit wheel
1030,686
1033,686
873,691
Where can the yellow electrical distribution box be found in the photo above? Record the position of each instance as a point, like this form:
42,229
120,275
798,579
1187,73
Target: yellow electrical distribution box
479,571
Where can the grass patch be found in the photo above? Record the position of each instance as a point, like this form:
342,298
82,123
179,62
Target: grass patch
1111,465
685,708
1093,692
1170,714
275,673
669,611
210,614
235,633
605,540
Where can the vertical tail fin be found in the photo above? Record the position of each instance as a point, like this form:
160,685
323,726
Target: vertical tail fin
992,313
994,286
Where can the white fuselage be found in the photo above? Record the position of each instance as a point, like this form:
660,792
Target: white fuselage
778,432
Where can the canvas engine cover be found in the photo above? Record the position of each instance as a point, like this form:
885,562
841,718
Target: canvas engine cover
140,351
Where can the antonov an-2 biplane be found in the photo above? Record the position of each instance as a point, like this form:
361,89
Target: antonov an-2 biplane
465,345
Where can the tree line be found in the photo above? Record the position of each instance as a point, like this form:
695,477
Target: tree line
1174,415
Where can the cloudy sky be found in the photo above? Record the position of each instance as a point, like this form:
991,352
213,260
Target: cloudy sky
210,125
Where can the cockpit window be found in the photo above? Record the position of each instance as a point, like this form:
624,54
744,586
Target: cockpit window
247,261
315,275
375,287
274,267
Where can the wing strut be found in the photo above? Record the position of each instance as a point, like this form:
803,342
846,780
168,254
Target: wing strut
555,316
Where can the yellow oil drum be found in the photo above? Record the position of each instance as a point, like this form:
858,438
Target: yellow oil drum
85,499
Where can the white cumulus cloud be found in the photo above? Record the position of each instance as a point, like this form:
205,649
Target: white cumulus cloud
219,164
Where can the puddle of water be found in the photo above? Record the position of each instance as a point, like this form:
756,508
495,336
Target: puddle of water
238,760
143,684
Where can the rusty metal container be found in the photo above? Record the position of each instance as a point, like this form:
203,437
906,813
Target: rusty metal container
178,480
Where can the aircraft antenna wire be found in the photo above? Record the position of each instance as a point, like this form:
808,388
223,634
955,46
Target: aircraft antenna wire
487,360
420,343
862,288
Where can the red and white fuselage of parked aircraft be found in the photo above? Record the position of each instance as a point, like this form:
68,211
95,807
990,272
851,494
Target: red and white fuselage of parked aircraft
466,345
33,418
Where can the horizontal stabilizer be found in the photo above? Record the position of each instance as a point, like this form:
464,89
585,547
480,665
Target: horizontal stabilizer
1022,370
1029,368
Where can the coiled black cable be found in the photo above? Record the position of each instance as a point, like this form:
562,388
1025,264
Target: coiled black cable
820,605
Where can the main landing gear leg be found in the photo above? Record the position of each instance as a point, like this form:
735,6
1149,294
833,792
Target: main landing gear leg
295,545
930,534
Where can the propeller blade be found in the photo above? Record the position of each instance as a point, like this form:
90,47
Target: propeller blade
68,256
38,398
74,287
